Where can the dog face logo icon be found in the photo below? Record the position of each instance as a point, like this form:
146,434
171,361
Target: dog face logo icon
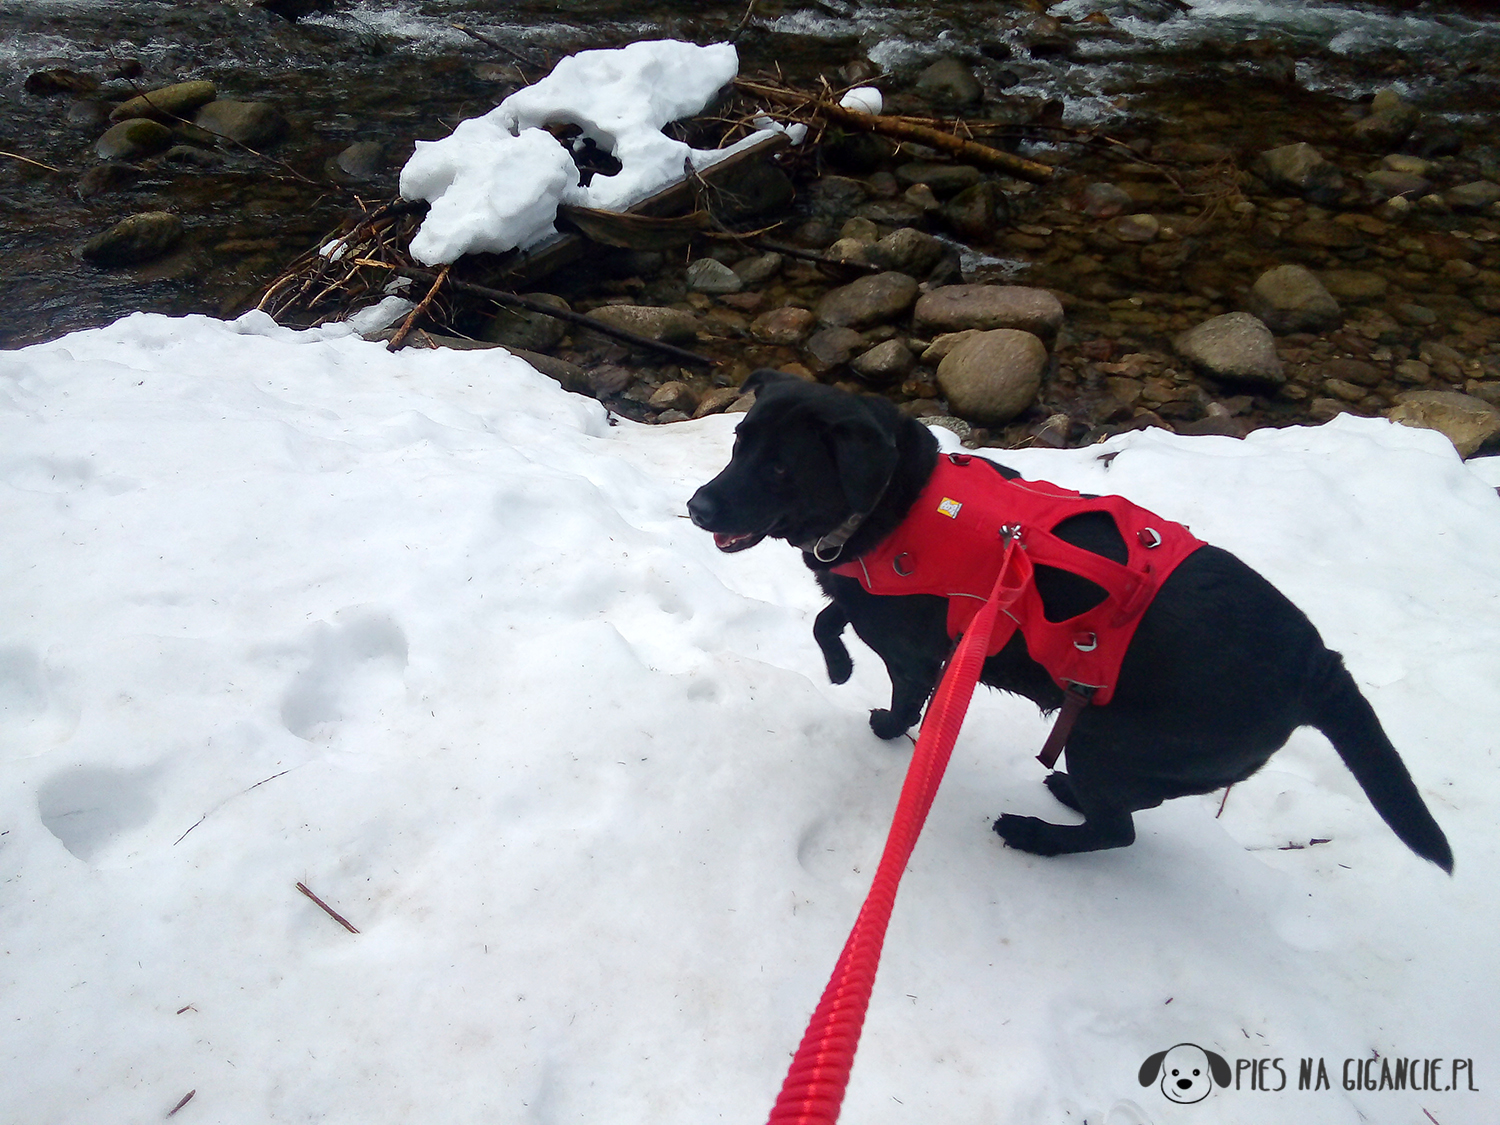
1187,1072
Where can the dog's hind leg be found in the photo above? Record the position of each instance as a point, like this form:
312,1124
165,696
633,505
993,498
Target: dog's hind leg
828,631
1060,785
1107,822
1114,829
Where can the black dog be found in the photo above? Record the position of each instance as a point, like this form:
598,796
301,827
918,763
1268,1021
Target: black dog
1221,670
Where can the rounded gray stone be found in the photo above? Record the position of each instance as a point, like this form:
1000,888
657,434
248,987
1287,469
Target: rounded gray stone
523,328
708,275
954,308
906,251
133,139
784,326
140,238
169,103
1290,298
868,301
253,124
992,376
884,363
949,82
1235,346
1358,287
672,326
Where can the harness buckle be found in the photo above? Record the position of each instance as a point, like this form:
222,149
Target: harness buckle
1086,642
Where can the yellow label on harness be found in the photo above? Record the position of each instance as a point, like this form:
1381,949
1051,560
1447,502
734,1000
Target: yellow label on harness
949,507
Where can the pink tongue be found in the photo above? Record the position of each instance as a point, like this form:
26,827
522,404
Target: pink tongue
724,542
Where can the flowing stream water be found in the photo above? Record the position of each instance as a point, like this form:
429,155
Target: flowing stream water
394,72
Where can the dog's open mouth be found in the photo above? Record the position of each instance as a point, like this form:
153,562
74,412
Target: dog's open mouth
731,543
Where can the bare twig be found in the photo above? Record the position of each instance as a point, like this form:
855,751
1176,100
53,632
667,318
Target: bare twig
1225,800
739,28
187,1097
422,306
499,46
28,160
221,804
330,911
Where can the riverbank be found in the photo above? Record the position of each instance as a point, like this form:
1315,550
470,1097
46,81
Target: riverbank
1142,238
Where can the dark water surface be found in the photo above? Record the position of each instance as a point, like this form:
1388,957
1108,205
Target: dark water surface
397,72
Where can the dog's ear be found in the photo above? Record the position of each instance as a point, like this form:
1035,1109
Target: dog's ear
865,453
763,377
1151,1068
1219,1068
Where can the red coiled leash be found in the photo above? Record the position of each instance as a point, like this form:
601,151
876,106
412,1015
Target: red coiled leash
815,1083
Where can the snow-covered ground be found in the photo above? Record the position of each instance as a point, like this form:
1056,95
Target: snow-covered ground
434,638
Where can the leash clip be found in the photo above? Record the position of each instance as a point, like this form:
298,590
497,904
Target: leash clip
1009,531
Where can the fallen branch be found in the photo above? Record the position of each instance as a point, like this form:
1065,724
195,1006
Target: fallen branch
330,911
903,130
421,310
682,355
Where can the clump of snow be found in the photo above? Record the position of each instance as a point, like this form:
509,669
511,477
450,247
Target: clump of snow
490,189
431,636
496,181
379,316
863,99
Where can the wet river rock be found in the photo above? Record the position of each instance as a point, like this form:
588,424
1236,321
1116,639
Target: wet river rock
140,238
993,376
1290,298
1237,347
956,307
133,139
168,104
253,124
1468,422
868,301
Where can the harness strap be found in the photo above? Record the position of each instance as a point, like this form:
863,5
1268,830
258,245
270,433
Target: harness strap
1075,699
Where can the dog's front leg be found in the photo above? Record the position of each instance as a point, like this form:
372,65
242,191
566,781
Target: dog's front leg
828,629
909,691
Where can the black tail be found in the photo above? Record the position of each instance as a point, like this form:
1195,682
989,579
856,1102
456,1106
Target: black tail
1338,709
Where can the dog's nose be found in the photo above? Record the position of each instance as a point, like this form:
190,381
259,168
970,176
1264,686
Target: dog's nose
702,509
1184,1083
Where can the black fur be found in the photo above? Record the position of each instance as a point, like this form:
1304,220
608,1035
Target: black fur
1222,668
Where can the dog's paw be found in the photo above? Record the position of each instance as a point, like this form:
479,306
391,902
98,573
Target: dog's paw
840,666
1027,834
887,725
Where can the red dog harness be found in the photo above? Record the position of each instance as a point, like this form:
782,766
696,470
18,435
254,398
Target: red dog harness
952,541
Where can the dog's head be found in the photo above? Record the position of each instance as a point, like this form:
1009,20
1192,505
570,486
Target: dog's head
806,459
1187,1071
